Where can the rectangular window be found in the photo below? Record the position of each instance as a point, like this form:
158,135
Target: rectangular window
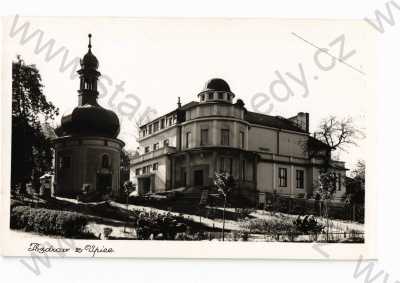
146,149
170,121
241,136
155,166
150,129
162,123
339,182
299,179
166,143
188,138
282,177
204,137
210,95
220,95
137,172
156,126
155,146
224,137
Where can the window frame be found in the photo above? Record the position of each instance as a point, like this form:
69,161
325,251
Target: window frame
299,179
282,177
166,142
105,161
225,133
242,139
155,166
202,140
188,137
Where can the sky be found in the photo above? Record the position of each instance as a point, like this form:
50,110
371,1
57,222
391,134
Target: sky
274,66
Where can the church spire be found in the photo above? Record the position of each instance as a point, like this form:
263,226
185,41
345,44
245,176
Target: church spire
89,76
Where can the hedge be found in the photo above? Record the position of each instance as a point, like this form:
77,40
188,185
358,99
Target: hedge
49,222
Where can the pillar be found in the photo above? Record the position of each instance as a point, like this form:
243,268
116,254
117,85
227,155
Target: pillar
188,172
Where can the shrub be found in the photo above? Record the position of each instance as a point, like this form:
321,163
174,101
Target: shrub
190,237
283,227
309,225
152,223
46,221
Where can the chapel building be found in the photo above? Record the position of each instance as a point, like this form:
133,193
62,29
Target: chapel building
87,151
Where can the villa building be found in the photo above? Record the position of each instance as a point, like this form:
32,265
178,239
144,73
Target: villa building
265,154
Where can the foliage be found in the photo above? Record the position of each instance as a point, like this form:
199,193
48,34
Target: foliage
165,226
283,226
308,225
224,183
128,187
199,236
326,186
31,154
243,213
48,222
355,186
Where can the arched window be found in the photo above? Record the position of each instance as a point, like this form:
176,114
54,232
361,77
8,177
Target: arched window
105,161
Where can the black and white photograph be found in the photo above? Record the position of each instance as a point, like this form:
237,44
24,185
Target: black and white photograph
180,131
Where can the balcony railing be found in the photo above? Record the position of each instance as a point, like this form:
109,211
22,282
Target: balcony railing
154,154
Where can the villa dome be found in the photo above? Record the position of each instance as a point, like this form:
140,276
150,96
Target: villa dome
217,84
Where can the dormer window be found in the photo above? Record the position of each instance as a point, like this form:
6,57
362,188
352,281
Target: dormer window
210,95
220,96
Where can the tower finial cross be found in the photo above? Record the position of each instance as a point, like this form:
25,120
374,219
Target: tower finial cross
90,40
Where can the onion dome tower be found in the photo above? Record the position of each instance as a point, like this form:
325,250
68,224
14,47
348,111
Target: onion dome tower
87,151
89,118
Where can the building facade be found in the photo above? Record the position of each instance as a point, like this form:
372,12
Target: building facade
184,148
87,151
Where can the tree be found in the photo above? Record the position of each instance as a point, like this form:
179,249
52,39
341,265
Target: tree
335,134
224,183
355,189
128,189
358,173
326,190
31,154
